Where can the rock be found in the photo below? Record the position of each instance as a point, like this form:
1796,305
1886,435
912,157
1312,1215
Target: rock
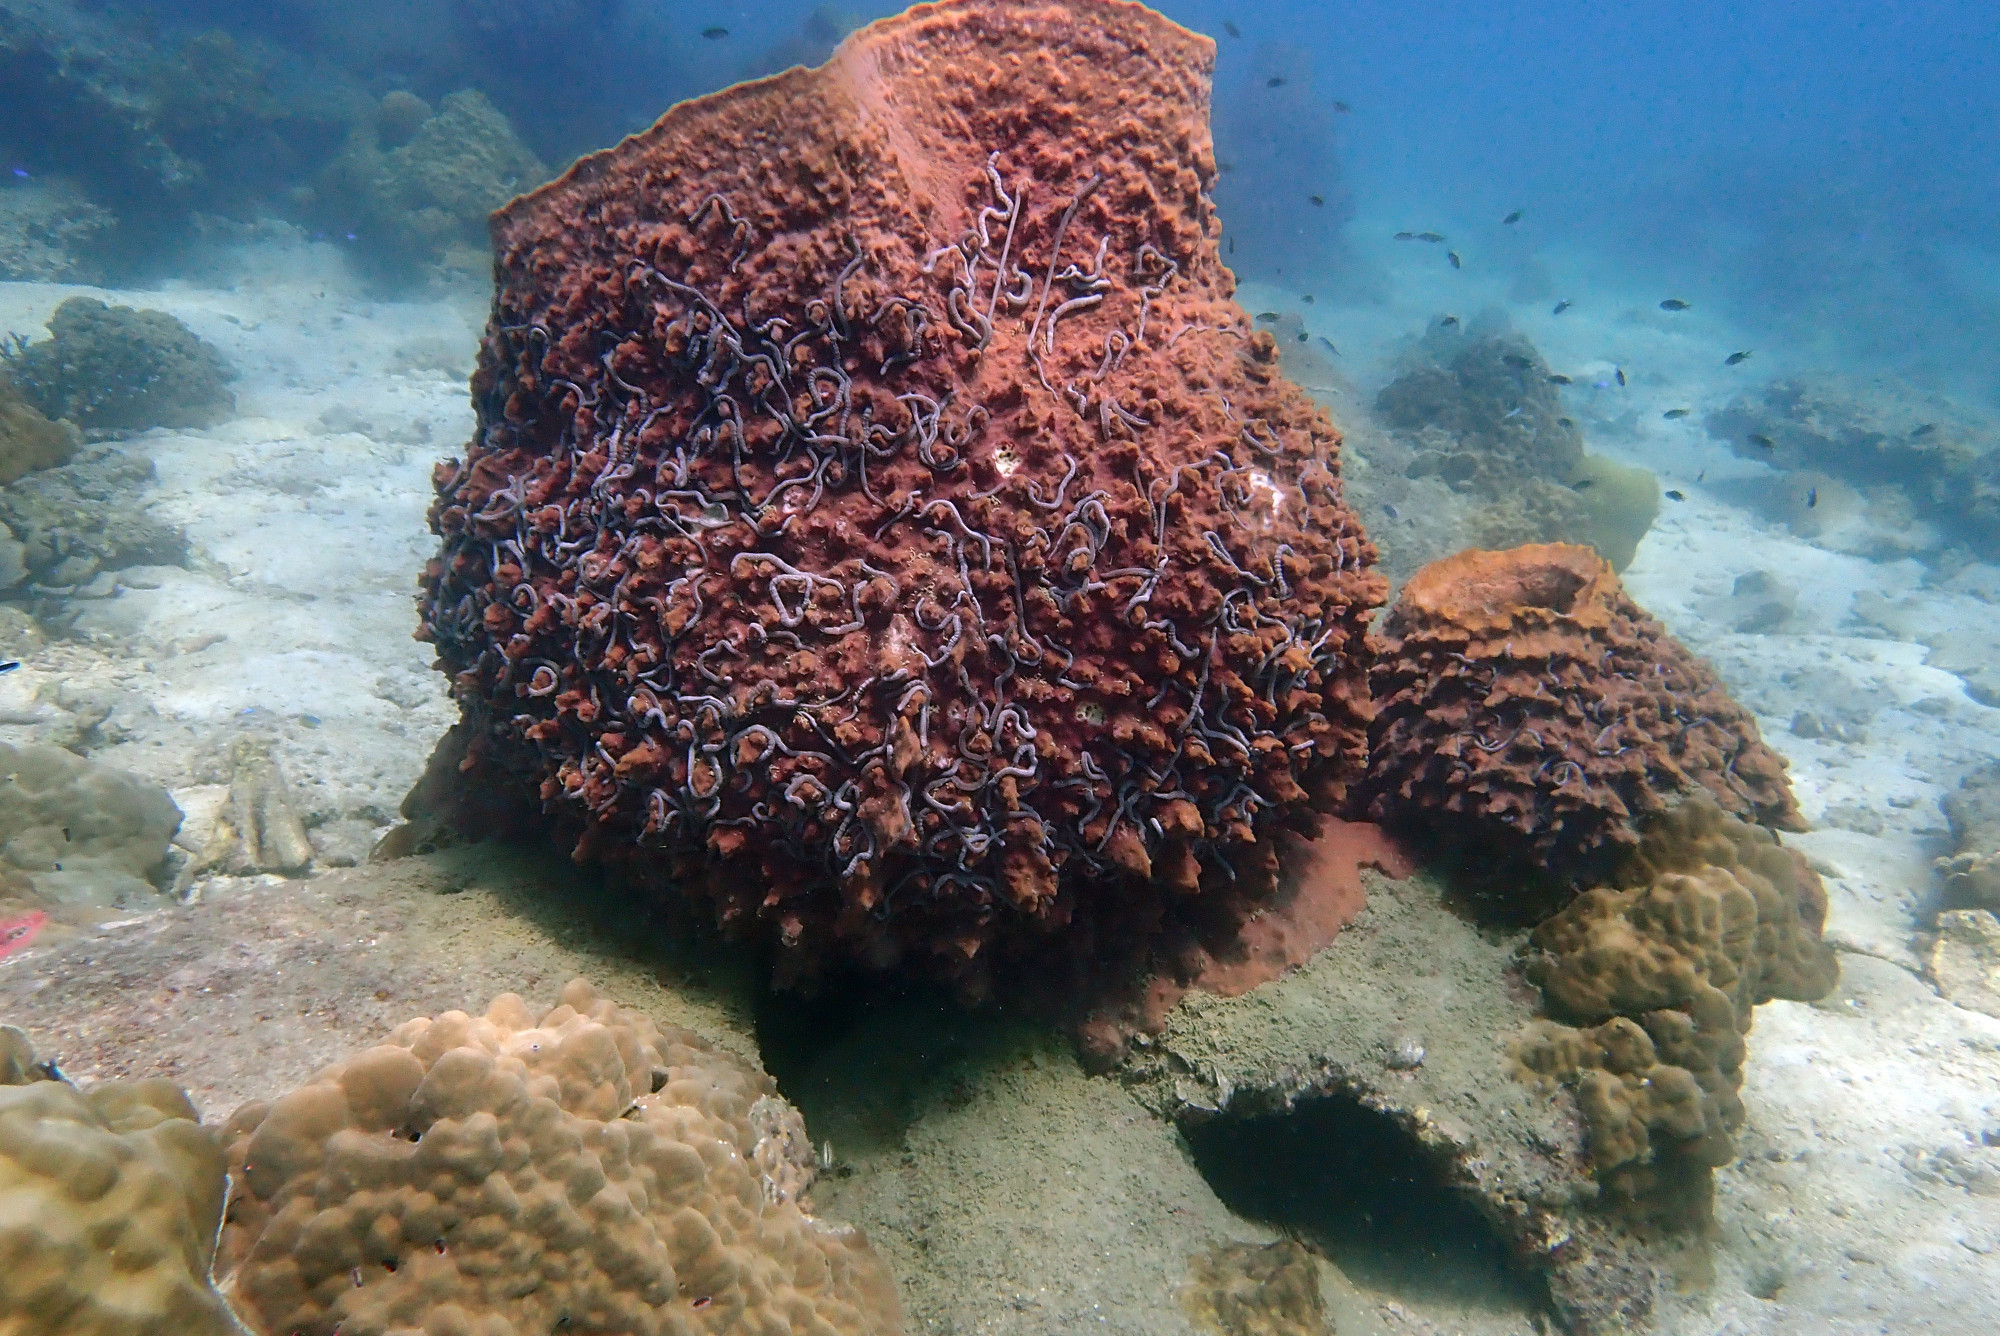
258,830
1972,873
123,369
1758,603
80,833
28,440
1965,963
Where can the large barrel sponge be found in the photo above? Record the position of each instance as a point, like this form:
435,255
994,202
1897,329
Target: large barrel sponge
506,1174
1529,709
109,1203
883,527
1707,919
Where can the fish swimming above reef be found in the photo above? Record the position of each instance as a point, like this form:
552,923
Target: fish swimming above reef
9,665
1673,304
1812,497
1232,29
1318,201
1675,414
1342,108
1758,438
1268,317
1675,494
1406,236
1518,361
1456,263
1511,219
715,34
1275,81
1736,359
1923,431
1446,322
1621,375
1559,379
1562,306
1432,237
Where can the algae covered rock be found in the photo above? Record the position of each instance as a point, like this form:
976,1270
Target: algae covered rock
80,833
1972,872
117,368
110,1201
413,184
1481,412
77,518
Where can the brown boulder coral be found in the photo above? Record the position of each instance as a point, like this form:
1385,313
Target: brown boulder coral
1527,709
109,1202
584,1170
881,524
1707,919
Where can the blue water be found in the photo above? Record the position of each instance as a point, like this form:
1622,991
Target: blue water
1818,173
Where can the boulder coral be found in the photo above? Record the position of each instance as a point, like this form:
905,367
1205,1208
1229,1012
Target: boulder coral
109,1204
583,1170
1530,712
120,369
1708,918
882,526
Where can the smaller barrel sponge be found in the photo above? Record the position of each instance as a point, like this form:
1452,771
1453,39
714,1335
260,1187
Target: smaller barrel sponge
584,1170
109,1204
116,368
1527,710
1708,918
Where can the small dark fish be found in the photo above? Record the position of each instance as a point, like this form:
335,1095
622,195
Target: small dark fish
1232,245
1923,431
1582,483
1736,359
1759,438
1675,414
1511,219
1559,380
1390,511
1565,422
1432,237
1675,494
1406,236
1673,304
1304,337
1561,306
1342,108
715,34
1456,263
1224,165
1447,322
1812,497
1699,476
1268,317
1329,345
1274,81
1232,29
9,665
1307,299
1621,374
1516,360
1318,201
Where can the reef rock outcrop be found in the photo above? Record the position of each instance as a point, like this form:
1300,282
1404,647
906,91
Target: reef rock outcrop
120,368
882,525
1708,918
109,1204
1528,710
28,440
516,1173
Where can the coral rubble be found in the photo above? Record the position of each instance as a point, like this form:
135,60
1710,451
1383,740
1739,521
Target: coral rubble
1972,872
119,368
1529,710
78,833
519,1173
1708,918
881,524
112,1200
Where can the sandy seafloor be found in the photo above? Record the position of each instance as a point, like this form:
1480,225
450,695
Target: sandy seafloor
1867,1194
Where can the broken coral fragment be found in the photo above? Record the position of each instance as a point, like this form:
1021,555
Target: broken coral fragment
883,527
1527,708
